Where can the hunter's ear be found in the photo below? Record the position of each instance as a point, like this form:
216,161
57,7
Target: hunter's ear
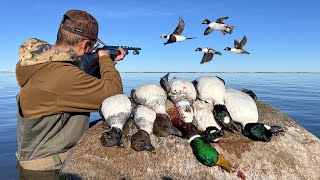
84,46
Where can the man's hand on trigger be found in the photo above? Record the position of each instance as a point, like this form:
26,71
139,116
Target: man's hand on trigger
103,53
122,54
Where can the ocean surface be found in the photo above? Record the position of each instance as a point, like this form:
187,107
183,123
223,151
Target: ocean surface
295,94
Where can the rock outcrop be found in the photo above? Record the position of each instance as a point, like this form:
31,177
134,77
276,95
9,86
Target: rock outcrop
294,154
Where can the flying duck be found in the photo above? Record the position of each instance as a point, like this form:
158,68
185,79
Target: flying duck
243,110
238,47
208,54
218,25
176,35
116,111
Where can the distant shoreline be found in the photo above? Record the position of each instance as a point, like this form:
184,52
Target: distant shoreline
148,72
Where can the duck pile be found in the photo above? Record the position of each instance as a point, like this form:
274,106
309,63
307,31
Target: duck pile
206,108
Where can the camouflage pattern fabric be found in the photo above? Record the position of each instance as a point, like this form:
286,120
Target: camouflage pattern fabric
35,51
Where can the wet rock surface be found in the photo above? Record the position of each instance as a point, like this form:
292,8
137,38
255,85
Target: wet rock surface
294,154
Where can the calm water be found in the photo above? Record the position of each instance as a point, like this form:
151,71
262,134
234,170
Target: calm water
295,94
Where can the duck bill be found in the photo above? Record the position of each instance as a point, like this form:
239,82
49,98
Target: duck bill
150,148
119,142
276,129
174,131
224,164
231,126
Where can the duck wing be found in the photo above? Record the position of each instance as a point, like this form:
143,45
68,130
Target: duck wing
221,20
243,41
179,28
236,44
206,58
208,31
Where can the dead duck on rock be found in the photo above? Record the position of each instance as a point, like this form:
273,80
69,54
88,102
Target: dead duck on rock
243,109
116,111
144,118
182,93
154,97
204,152
206,123
211,89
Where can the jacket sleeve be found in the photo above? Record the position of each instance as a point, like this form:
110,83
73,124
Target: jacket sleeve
81,92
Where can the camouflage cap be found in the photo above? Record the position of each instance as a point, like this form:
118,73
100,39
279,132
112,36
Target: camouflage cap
81,23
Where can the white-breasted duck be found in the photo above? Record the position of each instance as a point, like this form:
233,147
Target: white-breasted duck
238,47
182,93
154,97
116,111
243,110
218,25
208,54
176,35
144,118
211,89
205,120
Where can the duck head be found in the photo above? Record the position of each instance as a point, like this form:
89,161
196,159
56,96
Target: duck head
140,141
111,138
162,127
207,154
212,134
186,112
206,21
260,132
164,36
227,48
250,93
223,117
198,49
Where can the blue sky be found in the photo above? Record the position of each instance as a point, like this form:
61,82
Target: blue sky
282,35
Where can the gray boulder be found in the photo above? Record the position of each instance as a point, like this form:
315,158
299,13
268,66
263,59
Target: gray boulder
294,154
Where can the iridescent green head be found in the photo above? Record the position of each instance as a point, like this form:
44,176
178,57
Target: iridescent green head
260,132
203,151
207,154
223,117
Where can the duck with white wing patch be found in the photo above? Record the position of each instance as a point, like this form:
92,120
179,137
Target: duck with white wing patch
218,25
238,47
208,54
176,35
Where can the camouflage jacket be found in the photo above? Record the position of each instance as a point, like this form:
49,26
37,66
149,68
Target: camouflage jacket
50,84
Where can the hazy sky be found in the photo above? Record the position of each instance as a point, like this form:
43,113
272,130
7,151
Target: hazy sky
283,36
